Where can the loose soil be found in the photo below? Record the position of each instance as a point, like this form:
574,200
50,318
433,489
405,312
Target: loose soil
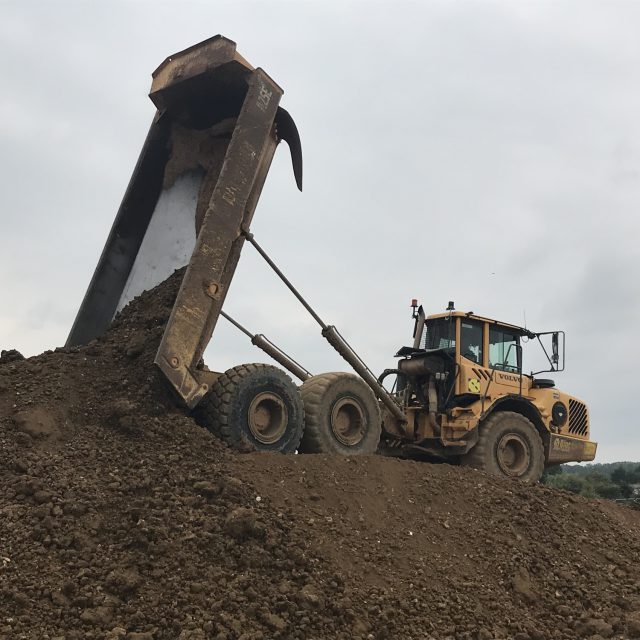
120,518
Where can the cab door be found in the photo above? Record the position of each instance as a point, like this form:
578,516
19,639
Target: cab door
505,359
472,379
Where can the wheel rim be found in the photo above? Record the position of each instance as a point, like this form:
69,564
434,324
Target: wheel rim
348,421
267,418
513,454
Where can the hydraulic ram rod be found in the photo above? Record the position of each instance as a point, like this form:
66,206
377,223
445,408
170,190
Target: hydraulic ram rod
333,337
262,342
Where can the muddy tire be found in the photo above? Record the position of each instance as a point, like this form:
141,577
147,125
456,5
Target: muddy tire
254,407
342,416
508,445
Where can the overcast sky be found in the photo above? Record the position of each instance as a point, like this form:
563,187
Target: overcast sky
481,152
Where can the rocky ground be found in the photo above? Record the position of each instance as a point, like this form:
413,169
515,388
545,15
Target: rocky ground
121,518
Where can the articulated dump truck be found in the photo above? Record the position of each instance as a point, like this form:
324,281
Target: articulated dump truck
190,203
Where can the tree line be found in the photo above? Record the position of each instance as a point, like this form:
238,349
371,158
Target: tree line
614,481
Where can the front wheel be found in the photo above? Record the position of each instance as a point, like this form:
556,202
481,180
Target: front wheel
342,415
255,407
508,445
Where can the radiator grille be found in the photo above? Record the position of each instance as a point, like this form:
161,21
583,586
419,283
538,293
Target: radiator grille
578,418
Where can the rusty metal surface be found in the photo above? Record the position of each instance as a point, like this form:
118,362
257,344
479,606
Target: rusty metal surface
201,81
208,91
199,86
267,417
195,61
219,242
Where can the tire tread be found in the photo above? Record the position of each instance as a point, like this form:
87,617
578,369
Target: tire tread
313,392
214,410
479,456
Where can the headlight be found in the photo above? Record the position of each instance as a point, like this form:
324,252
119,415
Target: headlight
559,414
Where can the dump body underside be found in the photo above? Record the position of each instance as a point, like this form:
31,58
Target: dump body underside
192,193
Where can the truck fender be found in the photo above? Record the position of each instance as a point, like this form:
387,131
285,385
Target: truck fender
521,405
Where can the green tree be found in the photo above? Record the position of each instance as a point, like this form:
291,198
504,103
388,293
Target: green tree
602,486
608,480
608,490
549,472
633,475
568,482
619,475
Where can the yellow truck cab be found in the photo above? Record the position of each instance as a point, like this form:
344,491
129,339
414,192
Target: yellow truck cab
466,396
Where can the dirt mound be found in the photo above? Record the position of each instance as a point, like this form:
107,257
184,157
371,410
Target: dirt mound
10,355
121,518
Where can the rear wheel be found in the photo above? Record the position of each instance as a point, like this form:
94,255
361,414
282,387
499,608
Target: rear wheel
254,406
341,415
508,445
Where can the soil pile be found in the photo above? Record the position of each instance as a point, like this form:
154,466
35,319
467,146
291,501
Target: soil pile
121,518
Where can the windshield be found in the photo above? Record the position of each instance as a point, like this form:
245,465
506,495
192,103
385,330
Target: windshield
439,333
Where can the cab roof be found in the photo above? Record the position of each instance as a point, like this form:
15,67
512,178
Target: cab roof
472,316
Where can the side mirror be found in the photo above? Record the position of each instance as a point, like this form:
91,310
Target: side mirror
519,356
556,358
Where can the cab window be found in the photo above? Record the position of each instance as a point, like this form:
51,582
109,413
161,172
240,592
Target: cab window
471,340
503,351
439,333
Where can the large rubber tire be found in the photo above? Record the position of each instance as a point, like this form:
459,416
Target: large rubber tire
508,445
342,416
254,407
